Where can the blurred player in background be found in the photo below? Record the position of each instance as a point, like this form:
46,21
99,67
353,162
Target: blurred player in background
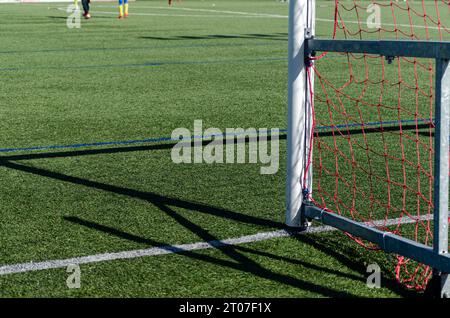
123,9
85,4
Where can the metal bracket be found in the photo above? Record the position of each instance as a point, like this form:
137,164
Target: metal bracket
309,34
308,52
390,59
305,221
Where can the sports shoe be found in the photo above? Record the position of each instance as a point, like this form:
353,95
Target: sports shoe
120,17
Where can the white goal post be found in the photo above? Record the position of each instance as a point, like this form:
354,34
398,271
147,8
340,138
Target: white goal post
301,27
303,44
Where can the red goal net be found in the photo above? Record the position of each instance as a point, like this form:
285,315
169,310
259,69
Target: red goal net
373,143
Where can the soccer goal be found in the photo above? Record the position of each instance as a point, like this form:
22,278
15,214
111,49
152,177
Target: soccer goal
368,128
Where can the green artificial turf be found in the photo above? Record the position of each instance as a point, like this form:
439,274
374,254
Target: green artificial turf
159,70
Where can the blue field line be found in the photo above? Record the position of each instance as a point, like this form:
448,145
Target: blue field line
85,145
70,50
148,64
123,142
205,137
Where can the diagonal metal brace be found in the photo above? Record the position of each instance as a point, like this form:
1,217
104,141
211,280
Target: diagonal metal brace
389,242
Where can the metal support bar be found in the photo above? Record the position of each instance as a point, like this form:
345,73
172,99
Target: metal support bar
441,188
389,242
421,49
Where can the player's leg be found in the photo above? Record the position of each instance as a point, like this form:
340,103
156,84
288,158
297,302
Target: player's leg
120,9
125,7
85,4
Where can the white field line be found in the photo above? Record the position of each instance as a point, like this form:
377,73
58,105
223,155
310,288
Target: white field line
173,15
171,249
269,15
179,15
257,15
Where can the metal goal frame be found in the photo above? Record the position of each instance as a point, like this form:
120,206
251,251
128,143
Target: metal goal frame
303,44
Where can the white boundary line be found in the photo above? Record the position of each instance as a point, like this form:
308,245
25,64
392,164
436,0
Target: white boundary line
249,15
172,249
237,14
268,15
180,15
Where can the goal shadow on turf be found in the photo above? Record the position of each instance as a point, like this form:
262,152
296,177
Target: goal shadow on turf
236,253
349,258
238,260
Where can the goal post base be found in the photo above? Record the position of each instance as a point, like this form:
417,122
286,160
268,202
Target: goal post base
438,286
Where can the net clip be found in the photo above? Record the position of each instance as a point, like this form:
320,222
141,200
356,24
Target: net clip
309,59
305,192
390,59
